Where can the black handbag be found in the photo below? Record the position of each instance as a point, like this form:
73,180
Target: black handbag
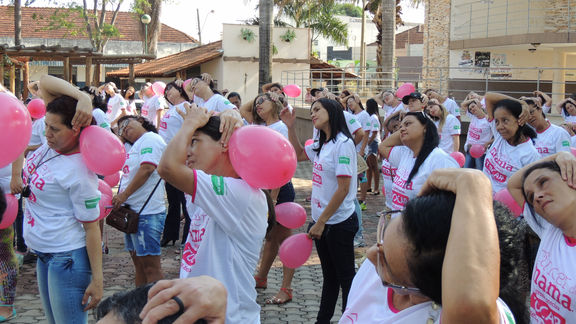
125,219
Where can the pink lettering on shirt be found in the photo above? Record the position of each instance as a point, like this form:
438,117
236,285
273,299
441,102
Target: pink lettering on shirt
399,199
317,179
492,170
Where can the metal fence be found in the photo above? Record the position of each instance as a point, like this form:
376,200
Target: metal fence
456,82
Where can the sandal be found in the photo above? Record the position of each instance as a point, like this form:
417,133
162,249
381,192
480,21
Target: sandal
376,193
14,315
261,283
277,301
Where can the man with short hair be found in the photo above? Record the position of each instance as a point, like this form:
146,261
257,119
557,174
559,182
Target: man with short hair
235,99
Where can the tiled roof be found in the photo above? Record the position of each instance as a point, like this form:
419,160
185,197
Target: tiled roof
414,35
324,70
126,22
168,65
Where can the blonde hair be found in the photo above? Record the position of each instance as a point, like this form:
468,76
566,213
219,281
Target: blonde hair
443,116
277,107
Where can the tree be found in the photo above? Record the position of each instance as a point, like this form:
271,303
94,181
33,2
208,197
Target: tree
346,9
153,8
265,38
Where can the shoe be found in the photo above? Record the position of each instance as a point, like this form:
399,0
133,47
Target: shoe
376,193
363,206
261,283
14,315
164,242
277,301
369,190
359,243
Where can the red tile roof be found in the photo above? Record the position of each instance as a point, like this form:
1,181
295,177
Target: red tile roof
126,22
169,65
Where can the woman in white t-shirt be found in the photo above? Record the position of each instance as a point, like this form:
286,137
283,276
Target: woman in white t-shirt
512,148
130,98
371,149
140,180
115,103
389,171
228,215
479,132
421,269
547,191
333,192
551,138
100,107
354,105
267,112
570,130
567,108
170,125
448,126
206,95
414,151
62,209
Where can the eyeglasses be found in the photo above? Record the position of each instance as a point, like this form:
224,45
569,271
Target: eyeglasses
123,125
382,224
261,100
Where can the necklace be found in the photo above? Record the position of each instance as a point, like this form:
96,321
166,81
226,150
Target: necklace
433,313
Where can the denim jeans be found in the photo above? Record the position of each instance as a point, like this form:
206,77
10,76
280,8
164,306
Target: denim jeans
62,280
146,241
358,211
336,252
471,162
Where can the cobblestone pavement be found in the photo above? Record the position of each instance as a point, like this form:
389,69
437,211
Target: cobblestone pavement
307,283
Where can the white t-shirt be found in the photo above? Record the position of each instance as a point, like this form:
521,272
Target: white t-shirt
552,140
64,193
227,227
403,158
369,302
388,173
375,127
171,122
503,160
479,131
351,122
101,118
6,177
390,110
38,134
131,108
545,108
115,106
573,141
567,118
364,119
150,108
280,127
553,284
452,107
451,128
147,149
337,159
217,103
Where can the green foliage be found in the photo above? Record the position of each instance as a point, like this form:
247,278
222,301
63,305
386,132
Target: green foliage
289,36
248,35
137,5
346,9
319,19
274,49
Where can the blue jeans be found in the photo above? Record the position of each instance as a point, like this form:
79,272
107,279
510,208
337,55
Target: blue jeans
62,280
146,241
472,163
358,211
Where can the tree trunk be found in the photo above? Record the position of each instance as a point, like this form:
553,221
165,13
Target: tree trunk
18,38
266,33
388,41
153,8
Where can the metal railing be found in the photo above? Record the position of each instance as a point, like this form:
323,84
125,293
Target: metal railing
456,82
482,19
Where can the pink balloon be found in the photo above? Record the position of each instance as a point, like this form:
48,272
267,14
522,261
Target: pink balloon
15,129
101,150
158,88
505,197
11,211
104,188
459,157
295,250
573,151
105,200
292,90
113,179
290,214
37,108
309,142
272,149
404,90
476,151
186,83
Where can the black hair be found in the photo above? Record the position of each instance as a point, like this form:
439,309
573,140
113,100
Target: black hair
336,122
97,101
65,107
277,85
514,107
426,225
531,102
346,92
148,126
234,94
372,107
3,204
431,141
211,85
550,165
212,129
564,106
359,104
132,97
127,305
573,95
180,90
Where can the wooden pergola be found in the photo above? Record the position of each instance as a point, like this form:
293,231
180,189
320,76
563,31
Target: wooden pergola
69,56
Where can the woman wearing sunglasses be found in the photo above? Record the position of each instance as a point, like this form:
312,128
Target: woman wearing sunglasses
139,180
62,209
414,151
333,193
206,95
423,270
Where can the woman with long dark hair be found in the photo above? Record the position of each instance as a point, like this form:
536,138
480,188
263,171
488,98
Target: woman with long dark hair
100,107
512,148
229,216
116,104
333,192
567,108
130,98
422,270
414,151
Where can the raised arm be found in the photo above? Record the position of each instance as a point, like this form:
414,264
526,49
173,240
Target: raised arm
54,87
387,144
548,100
561,103
289,119
379,98
464,106
492,99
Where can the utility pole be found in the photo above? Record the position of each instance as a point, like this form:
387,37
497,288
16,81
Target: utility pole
363,50
199,31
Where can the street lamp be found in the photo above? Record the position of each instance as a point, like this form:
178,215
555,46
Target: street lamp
201,29
145,19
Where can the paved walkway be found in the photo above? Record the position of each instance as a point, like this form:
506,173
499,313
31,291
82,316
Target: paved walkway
307,283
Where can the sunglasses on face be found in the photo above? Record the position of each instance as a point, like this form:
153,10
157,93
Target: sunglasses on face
261,100
123,125
383,222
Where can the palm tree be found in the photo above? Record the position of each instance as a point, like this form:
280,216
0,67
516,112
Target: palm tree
265,39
